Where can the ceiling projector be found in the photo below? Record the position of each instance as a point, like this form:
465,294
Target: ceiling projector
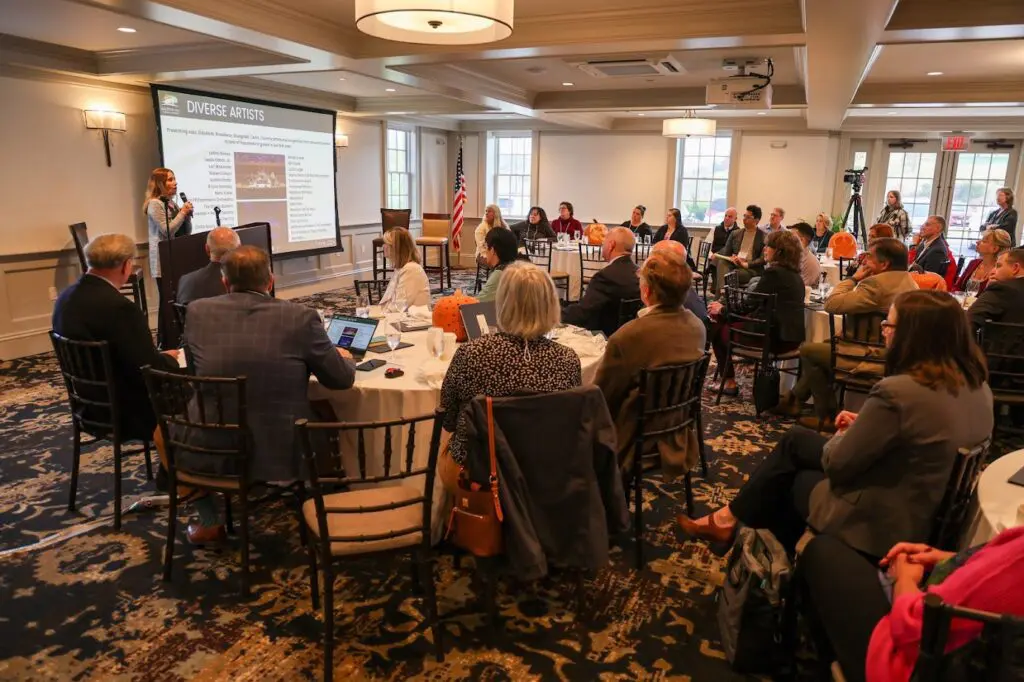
739,92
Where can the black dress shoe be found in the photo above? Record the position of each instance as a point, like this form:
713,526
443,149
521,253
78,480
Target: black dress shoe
163,483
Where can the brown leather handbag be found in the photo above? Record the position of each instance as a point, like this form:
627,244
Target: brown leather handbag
475,522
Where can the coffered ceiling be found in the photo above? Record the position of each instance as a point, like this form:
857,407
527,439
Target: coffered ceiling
837,65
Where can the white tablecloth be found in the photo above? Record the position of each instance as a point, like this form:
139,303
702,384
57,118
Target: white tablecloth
996,500
376,398
831,267
568,260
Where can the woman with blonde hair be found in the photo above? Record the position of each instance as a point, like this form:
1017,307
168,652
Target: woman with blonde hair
895,215
166,221
518,358
409,285
822,233
492,219
975,276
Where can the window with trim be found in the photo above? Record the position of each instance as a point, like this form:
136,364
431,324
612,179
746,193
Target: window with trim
978,177
401,153
702,178
913,174
509,166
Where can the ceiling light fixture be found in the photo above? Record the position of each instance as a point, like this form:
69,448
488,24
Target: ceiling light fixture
568,84
688,125
640,113
389,89
436,22
762,113
891,113
934,73
125,29
341,79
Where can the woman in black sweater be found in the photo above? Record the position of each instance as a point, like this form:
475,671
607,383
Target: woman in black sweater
782,252
636,223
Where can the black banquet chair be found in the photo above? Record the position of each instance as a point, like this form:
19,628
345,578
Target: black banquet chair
95,410
389,514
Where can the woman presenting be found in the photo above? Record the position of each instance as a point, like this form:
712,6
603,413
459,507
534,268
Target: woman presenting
166,220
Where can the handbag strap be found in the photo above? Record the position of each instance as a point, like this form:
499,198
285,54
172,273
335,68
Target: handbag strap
494,460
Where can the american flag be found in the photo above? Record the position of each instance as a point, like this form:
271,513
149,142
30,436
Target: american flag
459,201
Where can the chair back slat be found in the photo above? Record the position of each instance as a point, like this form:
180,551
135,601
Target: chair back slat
591,262
80,237
844,263
855,343
87,370
539,252
641,252
374,289
204,423
387,450
751,318
951,514
703,256
324,478
668,401
1003,346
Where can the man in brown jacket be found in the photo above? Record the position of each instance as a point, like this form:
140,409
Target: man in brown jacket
668,334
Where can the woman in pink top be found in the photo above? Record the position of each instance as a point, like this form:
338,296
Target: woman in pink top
879,641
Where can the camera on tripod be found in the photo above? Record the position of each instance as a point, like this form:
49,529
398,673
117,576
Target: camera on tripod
855,177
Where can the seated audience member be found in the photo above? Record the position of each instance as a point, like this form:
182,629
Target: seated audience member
744,249
673,228
565,223
499,253
536,226
782,251
409,285
876,634
492,219
876,231
208,282
636,224
276,344
810,268
775,220
881,478
932,252
880,278
598,310
692,301
1003,300
667,335
990,246
93,309
822,233
718,240
517,359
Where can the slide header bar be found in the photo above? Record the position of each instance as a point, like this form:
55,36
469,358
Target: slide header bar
206,108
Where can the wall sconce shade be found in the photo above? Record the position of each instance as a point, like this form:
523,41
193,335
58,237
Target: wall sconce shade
340,140
105,121
436,22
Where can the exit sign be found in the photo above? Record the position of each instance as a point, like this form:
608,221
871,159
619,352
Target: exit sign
955,143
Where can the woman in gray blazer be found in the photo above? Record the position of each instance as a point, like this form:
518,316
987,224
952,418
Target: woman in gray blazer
881,478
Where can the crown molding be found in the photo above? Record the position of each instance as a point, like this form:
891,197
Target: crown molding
660,98
17,51
944,92
929,14
415,104
468,80
997,126
28,73
187,57
260,88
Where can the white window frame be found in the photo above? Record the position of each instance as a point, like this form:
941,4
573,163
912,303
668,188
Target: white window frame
699,178
965,218
396,170
891,183
520,172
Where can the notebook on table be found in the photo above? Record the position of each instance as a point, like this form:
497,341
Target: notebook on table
352,333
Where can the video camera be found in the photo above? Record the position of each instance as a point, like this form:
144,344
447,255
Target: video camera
855,177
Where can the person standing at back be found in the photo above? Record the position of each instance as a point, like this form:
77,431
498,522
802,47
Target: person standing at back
207,282
1004,217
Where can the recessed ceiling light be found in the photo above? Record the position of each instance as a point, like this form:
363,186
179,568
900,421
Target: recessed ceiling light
762,113
341,79
125,29
934,73
568,84
389,89
891,113
640,113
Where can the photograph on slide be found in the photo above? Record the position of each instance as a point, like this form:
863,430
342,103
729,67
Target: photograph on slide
273,212
260,176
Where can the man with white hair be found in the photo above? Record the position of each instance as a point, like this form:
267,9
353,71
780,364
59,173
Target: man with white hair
207,281
598,310
94,309
692,301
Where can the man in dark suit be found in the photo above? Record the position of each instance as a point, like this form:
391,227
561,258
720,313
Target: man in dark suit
744,249
1003,298
206,282
277,344
932,251
598,310
93,309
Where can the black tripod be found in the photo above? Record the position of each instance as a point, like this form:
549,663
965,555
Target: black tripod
855,206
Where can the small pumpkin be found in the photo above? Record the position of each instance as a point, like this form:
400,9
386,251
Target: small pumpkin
843,245
446,314
595,232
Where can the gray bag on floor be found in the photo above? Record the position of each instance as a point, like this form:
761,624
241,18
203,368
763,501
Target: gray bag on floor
751,602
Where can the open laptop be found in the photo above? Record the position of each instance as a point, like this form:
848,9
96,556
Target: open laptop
352,333
479,318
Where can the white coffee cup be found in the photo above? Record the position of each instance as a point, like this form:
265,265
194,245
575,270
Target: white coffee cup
449,345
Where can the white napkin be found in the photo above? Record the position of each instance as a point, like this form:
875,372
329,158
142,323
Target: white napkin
431,373
420,312
586,345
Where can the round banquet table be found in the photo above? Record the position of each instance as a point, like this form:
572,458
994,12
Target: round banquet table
568,260
377,398
997,499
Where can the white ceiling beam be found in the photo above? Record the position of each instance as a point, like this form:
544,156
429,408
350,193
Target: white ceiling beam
34,54
940,92
660,98
841,42
186,57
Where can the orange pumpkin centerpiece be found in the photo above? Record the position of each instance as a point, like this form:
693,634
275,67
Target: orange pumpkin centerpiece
595,232
446,314
843,245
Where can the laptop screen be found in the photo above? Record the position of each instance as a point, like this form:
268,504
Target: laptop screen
479,318
351,333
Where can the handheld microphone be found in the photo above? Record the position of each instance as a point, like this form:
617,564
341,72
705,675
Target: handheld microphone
216,213
184,199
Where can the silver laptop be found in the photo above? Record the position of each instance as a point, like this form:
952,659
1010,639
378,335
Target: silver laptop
352,333
479,318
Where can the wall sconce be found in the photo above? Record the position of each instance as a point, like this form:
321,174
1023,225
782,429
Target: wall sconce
105,121
340,140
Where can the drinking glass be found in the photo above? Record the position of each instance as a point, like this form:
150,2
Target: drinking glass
400,305
394,337
435,342
363,306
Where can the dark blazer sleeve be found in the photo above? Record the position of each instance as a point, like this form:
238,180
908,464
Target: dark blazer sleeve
935,259
132,343
599,294
1009,223
757,253
732,244
871,436
992,304
330,369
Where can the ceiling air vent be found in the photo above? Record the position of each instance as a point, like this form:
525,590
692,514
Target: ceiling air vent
632,68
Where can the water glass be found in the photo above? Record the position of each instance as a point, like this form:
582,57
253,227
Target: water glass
435,342
393,337
363,306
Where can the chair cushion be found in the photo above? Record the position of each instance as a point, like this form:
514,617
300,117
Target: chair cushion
558,274
369,523
431,241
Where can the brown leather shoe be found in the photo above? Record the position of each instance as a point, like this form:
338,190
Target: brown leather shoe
827,425
788,406
206,535
712,532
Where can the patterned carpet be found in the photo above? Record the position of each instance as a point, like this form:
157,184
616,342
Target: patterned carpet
93,607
